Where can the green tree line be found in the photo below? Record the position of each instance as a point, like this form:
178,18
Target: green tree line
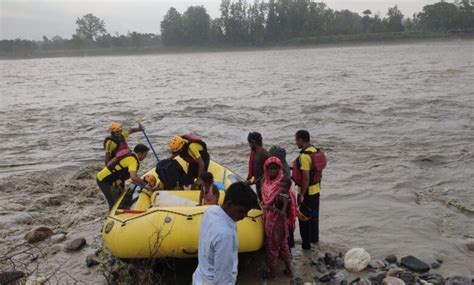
276,21
258,23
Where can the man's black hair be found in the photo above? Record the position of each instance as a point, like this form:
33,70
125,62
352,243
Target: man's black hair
140,148
240,194
255,137
303,135
207,177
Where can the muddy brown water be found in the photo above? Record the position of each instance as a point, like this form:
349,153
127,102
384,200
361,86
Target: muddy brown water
397,122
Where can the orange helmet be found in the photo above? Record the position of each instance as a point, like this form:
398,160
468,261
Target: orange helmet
115,127
176,144
150,179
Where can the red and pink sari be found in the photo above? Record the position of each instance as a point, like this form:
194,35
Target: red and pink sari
276,226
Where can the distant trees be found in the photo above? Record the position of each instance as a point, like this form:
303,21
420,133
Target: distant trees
172,28
196,25
89,27
394,22
193,27
254,23
265,21
443,16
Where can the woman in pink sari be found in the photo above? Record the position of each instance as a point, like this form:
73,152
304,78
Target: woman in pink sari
276,222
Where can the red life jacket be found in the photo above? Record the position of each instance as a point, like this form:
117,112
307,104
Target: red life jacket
119,141
318,163
122,173
191,139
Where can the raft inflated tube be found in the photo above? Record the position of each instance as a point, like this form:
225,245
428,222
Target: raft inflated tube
167,223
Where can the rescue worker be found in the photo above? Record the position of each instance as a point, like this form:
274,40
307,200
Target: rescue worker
307,173
111,179
194,151
257,157
116,141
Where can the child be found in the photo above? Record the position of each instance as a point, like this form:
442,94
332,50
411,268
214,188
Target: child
277,229
209,193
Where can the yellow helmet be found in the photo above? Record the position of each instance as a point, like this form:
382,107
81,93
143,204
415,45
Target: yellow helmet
150,179
176,144
115,127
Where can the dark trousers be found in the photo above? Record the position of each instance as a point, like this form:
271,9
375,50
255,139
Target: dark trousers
309,230
291,238
193,168
111,192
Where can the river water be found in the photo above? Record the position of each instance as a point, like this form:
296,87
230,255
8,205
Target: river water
396,121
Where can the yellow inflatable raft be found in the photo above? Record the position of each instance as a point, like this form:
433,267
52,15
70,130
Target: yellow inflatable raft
167,223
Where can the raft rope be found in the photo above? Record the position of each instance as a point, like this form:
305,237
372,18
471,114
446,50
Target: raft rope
189,216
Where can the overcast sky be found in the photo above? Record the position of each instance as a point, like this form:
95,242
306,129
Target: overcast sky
31,19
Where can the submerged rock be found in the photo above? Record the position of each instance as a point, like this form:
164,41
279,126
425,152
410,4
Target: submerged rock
339,262
408,277
91,260
391,258
38,234
356,259
39,280
14,207
9,277
339,278
394,272
57,238
376,264
360,281
458,280
470,244
393,281
55,248
435,265
377,278
75,244
433,278
414,264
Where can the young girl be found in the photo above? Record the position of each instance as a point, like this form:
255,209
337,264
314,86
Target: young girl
277,236
209,193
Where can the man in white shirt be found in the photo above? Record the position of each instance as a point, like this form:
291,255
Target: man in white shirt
218,243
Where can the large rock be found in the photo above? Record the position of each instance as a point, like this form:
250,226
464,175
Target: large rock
393,281
76,244
458,280
356,259
38,234
9,277
414,264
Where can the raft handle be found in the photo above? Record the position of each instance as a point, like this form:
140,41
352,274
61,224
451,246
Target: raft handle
190,252
189,218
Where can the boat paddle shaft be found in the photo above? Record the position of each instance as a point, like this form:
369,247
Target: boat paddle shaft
149,142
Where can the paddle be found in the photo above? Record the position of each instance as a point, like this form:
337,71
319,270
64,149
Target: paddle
149,142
